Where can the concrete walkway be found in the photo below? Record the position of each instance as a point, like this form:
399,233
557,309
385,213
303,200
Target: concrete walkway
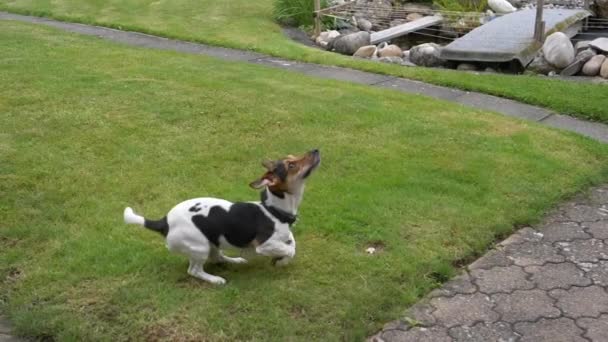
546,283
5,331
476,100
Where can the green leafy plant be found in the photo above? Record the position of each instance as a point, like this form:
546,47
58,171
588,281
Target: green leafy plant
295,12
462,5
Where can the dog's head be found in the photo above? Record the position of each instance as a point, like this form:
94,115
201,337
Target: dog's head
288,174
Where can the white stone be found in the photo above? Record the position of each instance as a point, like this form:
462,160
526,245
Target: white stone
558,50
501,6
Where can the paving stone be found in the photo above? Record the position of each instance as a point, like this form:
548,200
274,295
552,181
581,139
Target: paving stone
491,259
598,229
550,330
435,334
591,250
421,313
531,253
563,275
598,272
396,325
599,195
524,305
9,338
463,309
581,301
501,279
597,328
563,231
584,213
522,235
557,216
484,332
5,327
459,284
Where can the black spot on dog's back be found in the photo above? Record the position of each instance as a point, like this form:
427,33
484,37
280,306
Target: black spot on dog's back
195,208
242,224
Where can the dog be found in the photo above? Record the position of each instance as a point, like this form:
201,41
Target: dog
201,227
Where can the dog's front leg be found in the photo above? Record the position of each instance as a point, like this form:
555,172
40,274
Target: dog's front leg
282,251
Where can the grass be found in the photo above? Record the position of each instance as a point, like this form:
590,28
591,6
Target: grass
249,24
89,127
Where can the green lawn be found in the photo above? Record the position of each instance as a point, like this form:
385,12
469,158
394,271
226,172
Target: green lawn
88,127
248,24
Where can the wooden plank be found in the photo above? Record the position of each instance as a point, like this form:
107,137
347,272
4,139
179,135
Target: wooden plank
403,29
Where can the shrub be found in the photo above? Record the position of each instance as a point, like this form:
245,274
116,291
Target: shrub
295,12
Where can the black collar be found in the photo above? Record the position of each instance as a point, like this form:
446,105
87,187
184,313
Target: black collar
280,215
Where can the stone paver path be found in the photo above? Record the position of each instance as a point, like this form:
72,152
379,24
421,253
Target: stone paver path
507,107
6,331
547,283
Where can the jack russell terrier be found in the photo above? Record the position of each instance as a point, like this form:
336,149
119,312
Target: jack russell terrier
201,227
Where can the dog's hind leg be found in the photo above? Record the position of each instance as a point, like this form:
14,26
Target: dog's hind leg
219,257
196,270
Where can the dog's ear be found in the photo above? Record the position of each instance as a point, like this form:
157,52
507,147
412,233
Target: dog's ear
268,179
268,164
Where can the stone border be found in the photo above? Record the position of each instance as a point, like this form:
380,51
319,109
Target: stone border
6,331
594,130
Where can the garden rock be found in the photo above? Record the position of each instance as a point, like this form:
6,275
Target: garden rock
558,50
393,60
426,55
390,51
592,67
350,43
501,6
600,44
413,16
540,65
582,45
364,24
604,69
366,51
466,67
580,60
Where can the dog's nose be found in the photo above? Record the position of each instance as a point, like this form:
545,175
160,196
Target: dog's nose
315,151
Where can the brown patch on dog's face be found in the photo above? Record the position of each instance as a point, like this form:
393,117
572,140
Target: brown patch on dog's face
284,175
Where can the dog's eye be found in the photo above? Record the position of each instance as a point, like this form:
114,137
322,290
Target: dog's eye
291,166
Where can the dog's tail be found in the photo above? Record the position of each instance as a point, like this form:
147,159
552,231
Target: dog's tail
160,226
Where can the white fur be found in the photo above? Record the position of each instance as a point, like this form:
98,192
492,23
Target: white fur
132,218
185,238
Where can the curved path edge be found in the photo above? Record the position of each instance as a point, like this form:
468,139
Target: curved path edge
594,130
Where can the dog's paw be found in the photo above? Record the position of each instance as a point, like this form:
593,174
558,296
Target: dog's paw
216,280
239,260
282,261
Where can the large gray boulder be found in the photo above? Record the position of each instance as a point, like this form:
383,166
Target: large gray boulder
426,54
558,50
592,67
540,65
349,44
